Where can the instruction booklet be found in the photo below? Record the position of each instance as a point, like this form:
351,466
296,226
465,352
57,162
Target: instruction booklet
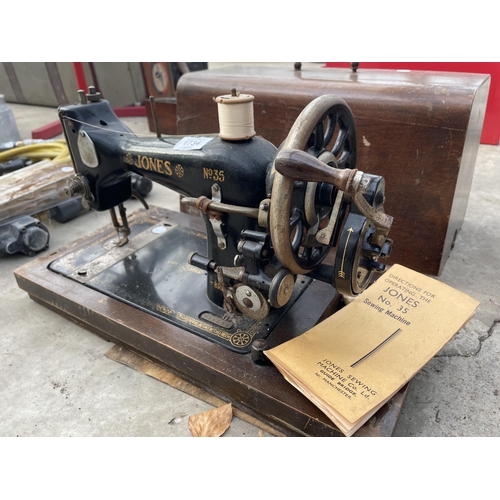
353,362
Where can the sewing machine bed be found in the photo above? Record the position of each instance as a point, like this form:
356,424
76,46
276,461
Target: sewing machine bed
145,297
151,274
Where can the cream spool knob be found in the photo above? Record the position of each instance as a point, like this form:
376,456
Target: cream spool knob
236,119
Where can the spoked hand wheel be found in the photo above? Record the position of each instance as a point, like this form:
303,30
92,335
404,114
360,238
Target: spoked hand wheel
303,217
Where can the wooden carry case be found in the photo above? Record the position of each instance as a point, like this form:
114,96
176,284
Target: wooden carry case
420,130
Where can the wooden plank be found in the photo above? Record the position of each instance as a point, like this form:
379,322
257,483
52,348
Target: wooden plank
33,189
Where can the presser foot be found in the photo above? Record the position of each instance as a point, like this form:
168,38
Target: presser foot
123,228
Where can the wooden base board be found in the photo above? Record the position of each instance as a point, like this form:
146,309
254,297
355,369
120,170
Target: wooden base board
258,391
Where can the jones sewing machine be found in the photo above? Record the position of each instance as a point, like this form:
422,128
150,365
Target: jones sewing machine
284,234
275,219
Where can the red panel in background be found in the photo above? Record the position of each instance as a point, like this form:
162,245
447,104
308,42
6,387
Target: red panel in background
491,127
80,75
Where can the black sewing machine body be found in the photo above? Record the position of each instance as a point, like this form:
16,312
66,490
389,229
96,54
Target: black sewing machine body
240,167
263,229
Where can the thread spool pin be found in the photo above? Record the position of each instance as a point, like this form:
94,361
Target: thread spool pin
236,119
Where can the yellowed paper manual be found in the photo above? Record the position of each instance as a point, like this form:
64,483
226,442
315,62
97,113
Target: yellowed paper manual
353,362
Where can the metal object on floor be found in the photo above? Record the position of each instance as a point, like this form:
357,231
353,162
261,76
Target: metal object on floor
24,235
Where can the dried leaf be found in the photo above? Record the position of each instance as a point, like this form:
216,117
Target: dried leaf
212,423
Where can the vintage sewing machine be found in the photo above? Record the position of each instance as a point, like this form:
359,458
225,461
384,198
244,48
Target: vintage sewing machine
270,215
284,234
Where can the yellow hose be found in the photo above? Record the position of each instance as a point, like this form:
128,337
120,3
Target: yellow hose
57,151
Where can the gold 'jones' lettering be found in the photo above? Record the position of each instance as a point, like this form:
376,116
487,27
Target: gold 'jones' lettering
153,165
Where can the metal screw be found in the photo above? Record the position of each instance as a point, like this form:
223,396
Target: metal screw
260,344
258,348
83,99
93,95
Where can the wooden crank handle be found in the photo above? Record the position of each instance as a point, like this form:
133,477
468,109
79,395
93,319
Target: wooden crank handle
301,166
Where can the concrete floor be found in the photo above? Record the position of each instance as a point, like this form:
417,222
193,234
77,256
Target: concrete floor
56,381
